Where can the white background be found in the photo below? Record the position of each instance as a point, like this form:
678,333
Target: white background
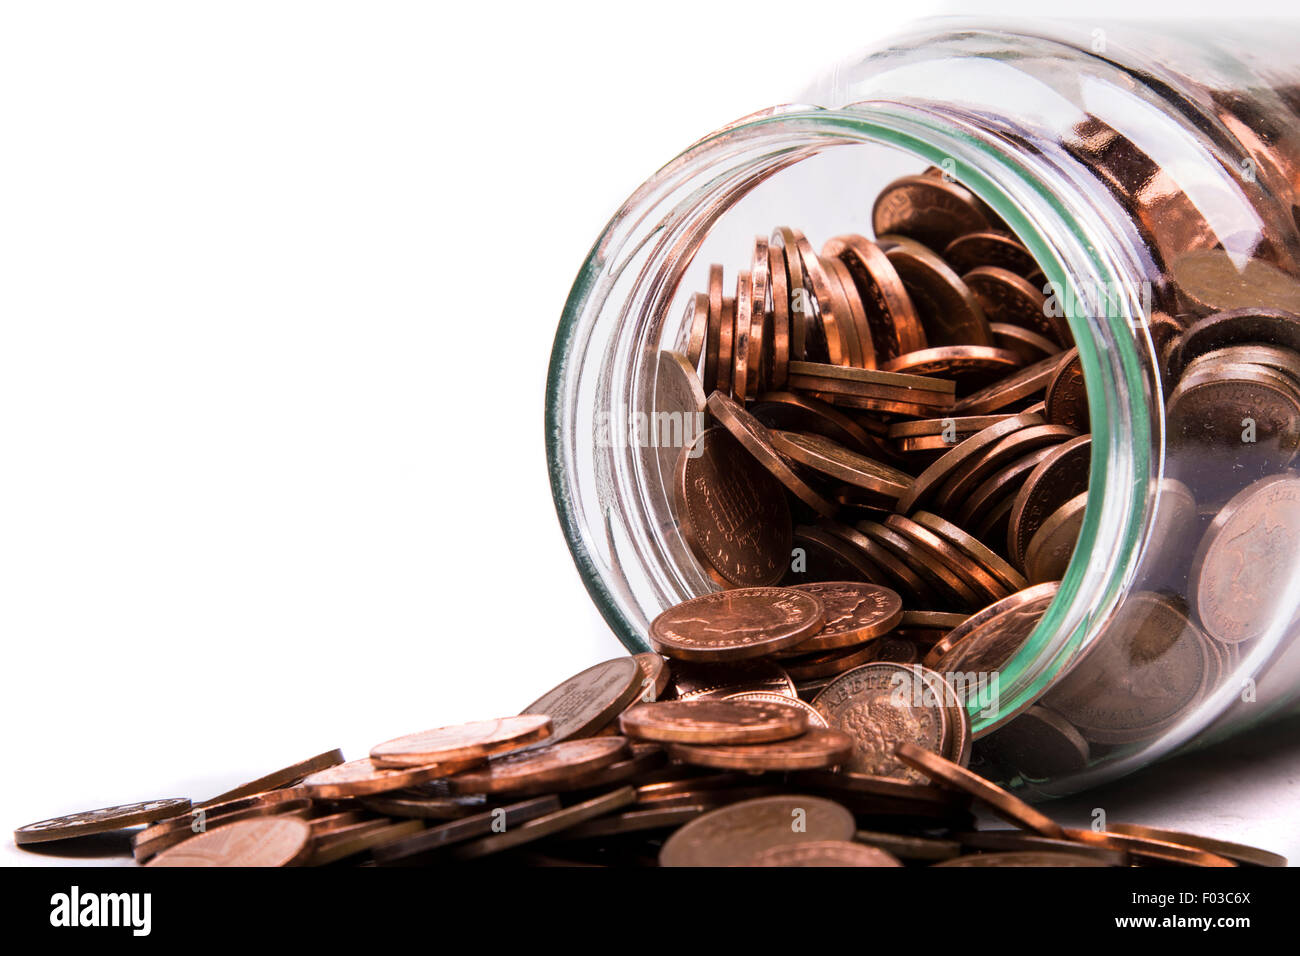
279,284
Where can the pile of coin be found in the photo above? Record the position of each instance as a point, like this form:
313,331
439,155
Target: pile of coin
699,759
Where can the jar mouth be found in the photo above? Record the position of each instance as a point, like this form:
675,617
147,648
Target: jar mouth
631,275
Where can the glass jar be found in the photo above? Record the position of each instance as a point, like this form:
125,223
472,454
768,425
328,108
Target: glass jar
1152,172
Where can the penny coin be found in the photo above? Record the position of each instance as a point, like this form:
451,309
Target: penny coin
589,700
1052,546
1237,327
713,335
1284,360
1007,577
359,838
694,681
855,612
1209,407
1244,570
780,339
757,440
897,574
1148,849
929,481
908,847
979,585
726,345
467,828
988,640
1000,487
1012,448
1022,858
824,853
1067,395
733,513
852,325
542,769
1249,855
106,820
759,323
678,394
1038,744
480,738
714,721
1058,478
949,311
740,341
1017,387
361,777
896,650
733,835
165,833
947,583
817,748
928,209
267,841
697,326
1216,279
830,322
414,803
795,412
975,249
737,624
1013,300
548,824
881,705
783,242
657,677
970,366
894,325
1028,345
815,719
279,778
1017,841
1153,643
637,821
826,457
829,663
1009,807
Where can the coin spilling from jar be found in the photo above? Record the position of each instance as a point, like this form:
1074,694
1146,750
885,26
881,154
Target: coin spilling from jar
704,757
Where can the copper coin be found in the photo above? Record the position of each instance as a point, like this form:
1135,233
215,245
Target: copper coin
970,366
1217,279
896,650
713,336
697,327
1007,577
975,249
733,835
848,330
657,678
1237,327
856,325
1161,656
733,513
988,640
829,321
977,581
1017,387
958,428
928,209
893,322
801,314
1018,841
481,738
824,853
898,574
740,341
1011,299
869,383
106,820
949,311
467,828
827,458
278,778
590,699
791,411
737,625
1032,598
1039,744
361,777
1012,448
907,847
780,339
1030,858
549,824
360,838
1282,360
637,821
541,769
415,803
881,705
1157,850
1244,569
1050,549
856,612
830,663
1029,345
815,749
1239,852
1207,411
946,773
1058,478
714,722
759,319
273,841
815,719
166,833
1067,395
929,481
950,587
756,439
692,681
679,392
998,488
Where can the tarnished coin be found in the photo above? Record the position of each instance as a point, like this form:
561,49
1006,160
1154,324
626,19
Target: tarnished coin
1009,807
697,328
949,311
1018,841
1008,298
1022,858
1029,345
824,853
543,769
359,838
267,841
590,699
693,681
1234,417
988,639
817,748
1245,568
828,458
361,777
895,327
1058,478
733,513
757,440
1052,546
855,613
928,209
881,705
1236,327
279,778
714,721
733,835
1140,675
481,738
1067,395
1038,744
105,820
467,828
907,847
548,824
736,625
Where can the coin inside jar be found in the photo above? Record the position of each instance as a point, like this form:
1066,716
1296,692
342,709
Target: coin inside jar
737,624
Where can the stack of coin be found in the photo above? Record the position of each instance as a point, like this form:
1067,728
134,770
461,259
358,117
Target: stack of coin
697,759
